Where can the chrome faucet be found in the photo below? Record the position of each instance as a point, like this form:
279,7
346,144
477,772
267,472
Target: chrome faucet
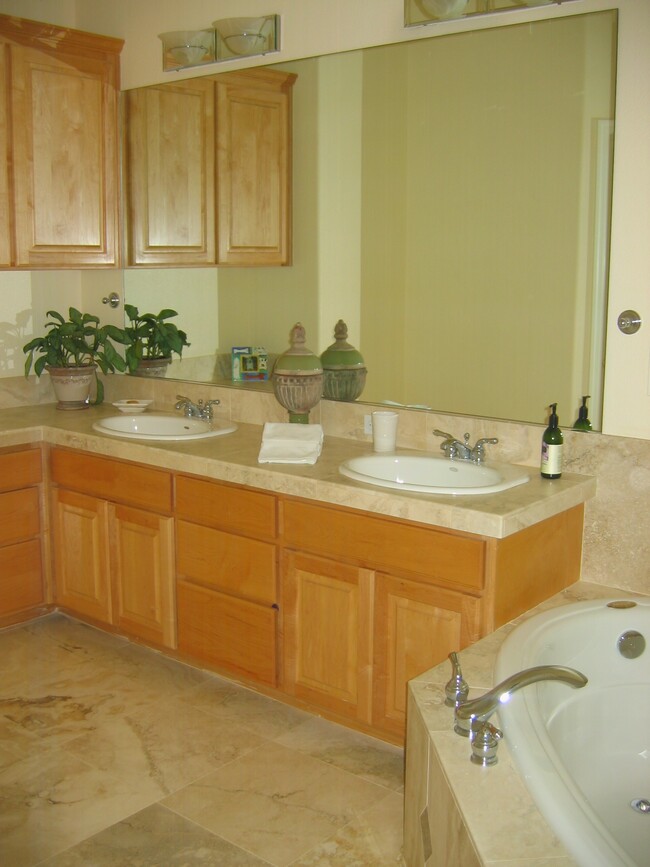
471,715
455,449
456,688
196,410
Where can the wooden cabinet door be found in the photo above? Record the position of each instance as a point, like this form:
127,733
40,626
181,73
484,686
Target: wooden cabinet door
81,552
254,168
416,627
142,568
327,624
170,170
64,110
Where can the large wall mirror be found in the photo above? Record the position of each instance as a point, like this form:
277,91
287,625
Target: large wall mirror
451,203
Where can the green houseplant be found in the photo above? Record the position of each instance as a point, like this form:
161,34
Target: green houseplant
150,340
71,350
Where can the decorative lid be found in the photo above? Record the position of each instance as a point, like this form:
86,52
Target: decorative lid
297,360
341,354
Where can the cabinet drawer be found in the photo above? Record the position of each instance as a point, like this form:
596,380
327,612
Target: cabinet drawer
112,480
384,544
234,564
21,580
230,633
19,515
19,469
225,507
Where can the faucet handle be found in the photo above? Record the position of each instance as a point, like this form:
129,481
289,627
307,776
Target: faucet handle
457,688
484,738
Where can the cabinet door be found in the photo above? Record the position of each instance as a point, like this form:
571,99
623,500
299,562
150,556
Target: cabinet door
170,155
21,577
327,611
64,110
254,169
80,538
416,627
142,560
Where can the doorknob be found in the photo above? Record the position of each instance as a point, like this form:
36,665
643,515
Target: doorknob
629,322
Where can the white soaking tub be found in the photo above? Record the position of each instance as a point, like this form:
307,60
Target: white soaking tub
585,753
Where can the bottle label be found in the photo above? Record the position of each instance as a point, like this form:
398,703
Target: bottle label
551,459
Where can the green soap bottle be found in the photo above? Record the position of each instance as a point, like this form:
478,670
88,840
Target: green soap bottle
582,422
552,442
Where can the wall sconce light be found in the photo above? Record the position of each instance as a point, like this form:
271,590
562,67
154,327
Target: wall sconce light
229,39
429,11
243,37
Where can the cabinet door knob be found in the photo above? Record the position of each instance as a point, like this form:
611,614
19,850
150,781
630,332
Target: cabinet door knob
113,299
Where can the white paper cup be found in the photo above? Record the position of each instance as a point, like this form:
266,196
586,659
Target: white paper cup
384,430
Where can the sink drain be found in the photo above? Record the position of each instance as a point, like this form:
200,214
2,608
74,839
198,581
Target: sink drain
641,805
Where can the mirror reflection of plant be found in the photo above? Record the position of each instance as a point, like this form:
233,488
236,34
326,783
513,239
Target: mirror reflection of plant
150,336
75,342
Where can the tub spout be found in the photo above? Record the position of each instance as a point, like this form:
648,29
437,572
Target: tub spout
481,709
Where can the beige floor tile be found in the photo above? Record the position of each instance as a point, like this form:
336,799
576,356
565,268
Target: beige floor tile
366,757
276,802
171,743
52,801
155,837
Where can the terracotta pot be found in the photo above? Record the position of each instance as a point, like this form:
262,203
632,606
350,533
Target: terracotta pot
72,385
153,367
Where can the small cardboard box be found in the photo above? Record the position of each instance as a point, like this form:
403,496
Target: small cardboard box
249,363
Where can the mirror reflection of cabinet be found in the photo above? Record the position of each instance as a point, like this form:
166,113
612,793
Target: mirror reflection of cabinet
209,171
58,134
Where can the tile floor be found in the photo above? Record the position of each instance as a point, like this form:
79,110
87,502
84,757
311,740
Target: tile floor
112,754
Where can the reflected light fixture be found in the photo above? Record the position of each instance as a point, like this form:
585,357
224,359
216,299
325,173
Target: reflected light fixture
429,11
228,39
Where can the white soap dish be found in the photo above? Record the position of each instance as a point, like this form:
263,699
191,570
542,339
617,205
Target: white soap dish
132,405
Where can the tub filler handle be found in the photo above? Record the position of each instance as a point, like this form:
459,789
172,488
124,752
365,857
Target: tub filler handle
479,710
456,688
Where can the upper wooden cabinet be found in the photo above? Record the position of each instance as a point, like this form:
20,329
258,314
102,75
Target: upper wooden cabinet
58,132
208,175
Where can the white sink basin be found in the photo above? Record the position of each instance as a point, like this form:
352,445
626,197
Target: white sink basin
150,426
433,475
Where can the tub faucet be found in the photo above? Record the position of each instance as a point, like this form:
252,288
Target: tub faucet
455,449
196,410
471,714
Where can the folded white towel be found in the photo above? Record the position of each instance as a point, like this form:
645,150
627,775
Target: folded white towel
290,443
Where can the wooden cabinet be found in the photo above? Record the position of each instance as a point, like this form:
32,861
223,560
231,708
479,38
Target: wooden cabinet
227,590
371,602
113,543
209,171
58,130
21,568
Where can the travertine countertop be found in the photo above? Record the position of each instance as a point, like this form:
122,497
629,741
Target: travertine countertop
233,458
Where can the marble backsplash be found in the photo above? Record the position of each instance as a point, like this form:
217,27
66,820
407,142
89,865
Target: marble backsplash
616,549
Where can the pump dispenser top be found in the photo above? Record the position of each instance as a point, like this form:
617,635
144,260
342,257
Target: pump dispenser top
552,442
582,422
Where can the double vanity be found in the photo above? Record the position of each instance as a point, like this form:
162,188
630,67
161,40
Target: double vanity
299,581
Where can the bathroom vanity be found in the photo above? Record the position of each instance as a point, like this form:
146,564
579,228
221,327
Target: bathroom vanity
292,579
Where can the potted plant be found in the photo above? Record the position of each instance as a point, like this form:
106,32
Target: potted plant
71,350
150,340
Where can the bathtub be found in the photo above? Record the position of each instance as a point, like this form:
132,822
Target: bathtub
585,753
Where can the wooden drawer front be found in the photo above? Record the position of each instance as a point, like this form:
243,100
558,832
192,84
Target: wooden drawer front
229,633
21,579
113,480
385,544
19,515
233,564
225,507
20,469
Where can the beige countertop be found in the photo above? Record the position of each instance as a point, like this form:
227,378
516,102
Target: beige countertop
233,458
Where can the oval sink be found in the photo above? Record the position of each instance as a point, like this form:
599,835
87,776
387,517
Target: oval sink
162,427
433,475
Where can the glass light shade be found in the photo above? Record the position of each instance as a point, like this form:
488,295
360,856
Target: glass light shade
243,37
186,48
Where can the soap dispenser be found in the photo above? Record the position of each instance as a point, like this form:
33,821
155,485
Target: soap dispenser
552,441
582,422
